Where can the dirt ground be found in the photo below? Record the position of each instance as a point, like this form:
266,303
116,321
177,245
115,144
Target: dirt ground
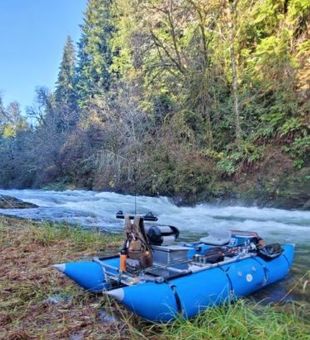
36,302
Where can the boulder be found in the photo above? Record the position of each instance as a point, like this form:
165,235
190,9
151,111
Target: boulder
8,202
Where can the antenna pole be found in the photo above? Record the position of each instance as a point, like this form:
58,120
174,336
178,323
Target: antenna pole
135,203
135,184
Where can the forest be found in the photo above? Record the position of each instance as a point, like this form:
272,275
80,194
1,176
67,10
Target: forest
197,100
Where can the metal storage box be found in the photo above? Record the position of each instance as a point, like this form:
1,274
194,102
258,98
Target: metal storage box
169,255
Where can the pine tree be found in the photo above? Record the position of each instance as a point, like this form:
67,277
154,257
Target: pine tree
65,83
65,93
95,57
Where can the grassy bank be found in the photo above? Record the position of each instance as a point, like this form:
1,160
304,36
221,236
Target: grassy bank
29,288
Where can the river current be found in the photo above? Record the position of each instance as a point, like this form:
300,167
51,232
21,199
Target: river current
90,208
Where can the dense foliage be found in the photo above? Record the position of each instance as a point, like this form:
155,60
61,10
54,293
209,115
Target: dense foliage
189,98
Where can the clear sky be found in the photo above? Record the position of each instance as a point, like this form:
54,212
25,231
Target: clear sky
32,36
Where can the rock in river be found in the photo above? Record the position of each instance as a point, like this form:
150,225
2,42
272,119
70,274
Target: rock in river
8,202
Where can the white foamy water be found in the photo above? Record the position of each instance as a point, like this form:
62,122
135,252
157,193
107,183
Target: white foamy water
89,208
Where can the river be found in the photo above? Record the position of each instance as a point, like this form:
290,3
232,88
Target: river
97,209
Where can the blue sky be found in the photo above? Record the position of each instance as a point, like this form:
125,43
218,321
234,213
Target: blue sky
32,36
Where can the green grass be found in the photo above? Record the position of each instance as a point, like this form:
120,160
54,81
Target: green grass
242,320
28,249
80,239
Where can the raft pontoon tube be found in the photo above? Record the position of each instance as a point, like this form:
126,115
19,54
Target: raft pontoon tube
185,278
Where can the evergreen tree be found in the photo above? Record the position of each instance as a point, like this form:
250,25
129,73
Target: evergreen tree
65,94
65,83
95,57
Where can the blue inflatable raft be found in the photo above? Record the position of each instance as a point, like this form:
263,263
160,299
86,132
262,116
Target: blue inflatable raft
185,278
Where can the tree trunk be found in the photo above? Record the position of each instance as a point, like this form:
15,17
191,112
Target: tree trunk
235,89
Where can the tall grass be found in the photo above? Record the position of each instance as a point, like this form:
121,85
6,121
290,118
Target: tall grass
48,233
241,320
